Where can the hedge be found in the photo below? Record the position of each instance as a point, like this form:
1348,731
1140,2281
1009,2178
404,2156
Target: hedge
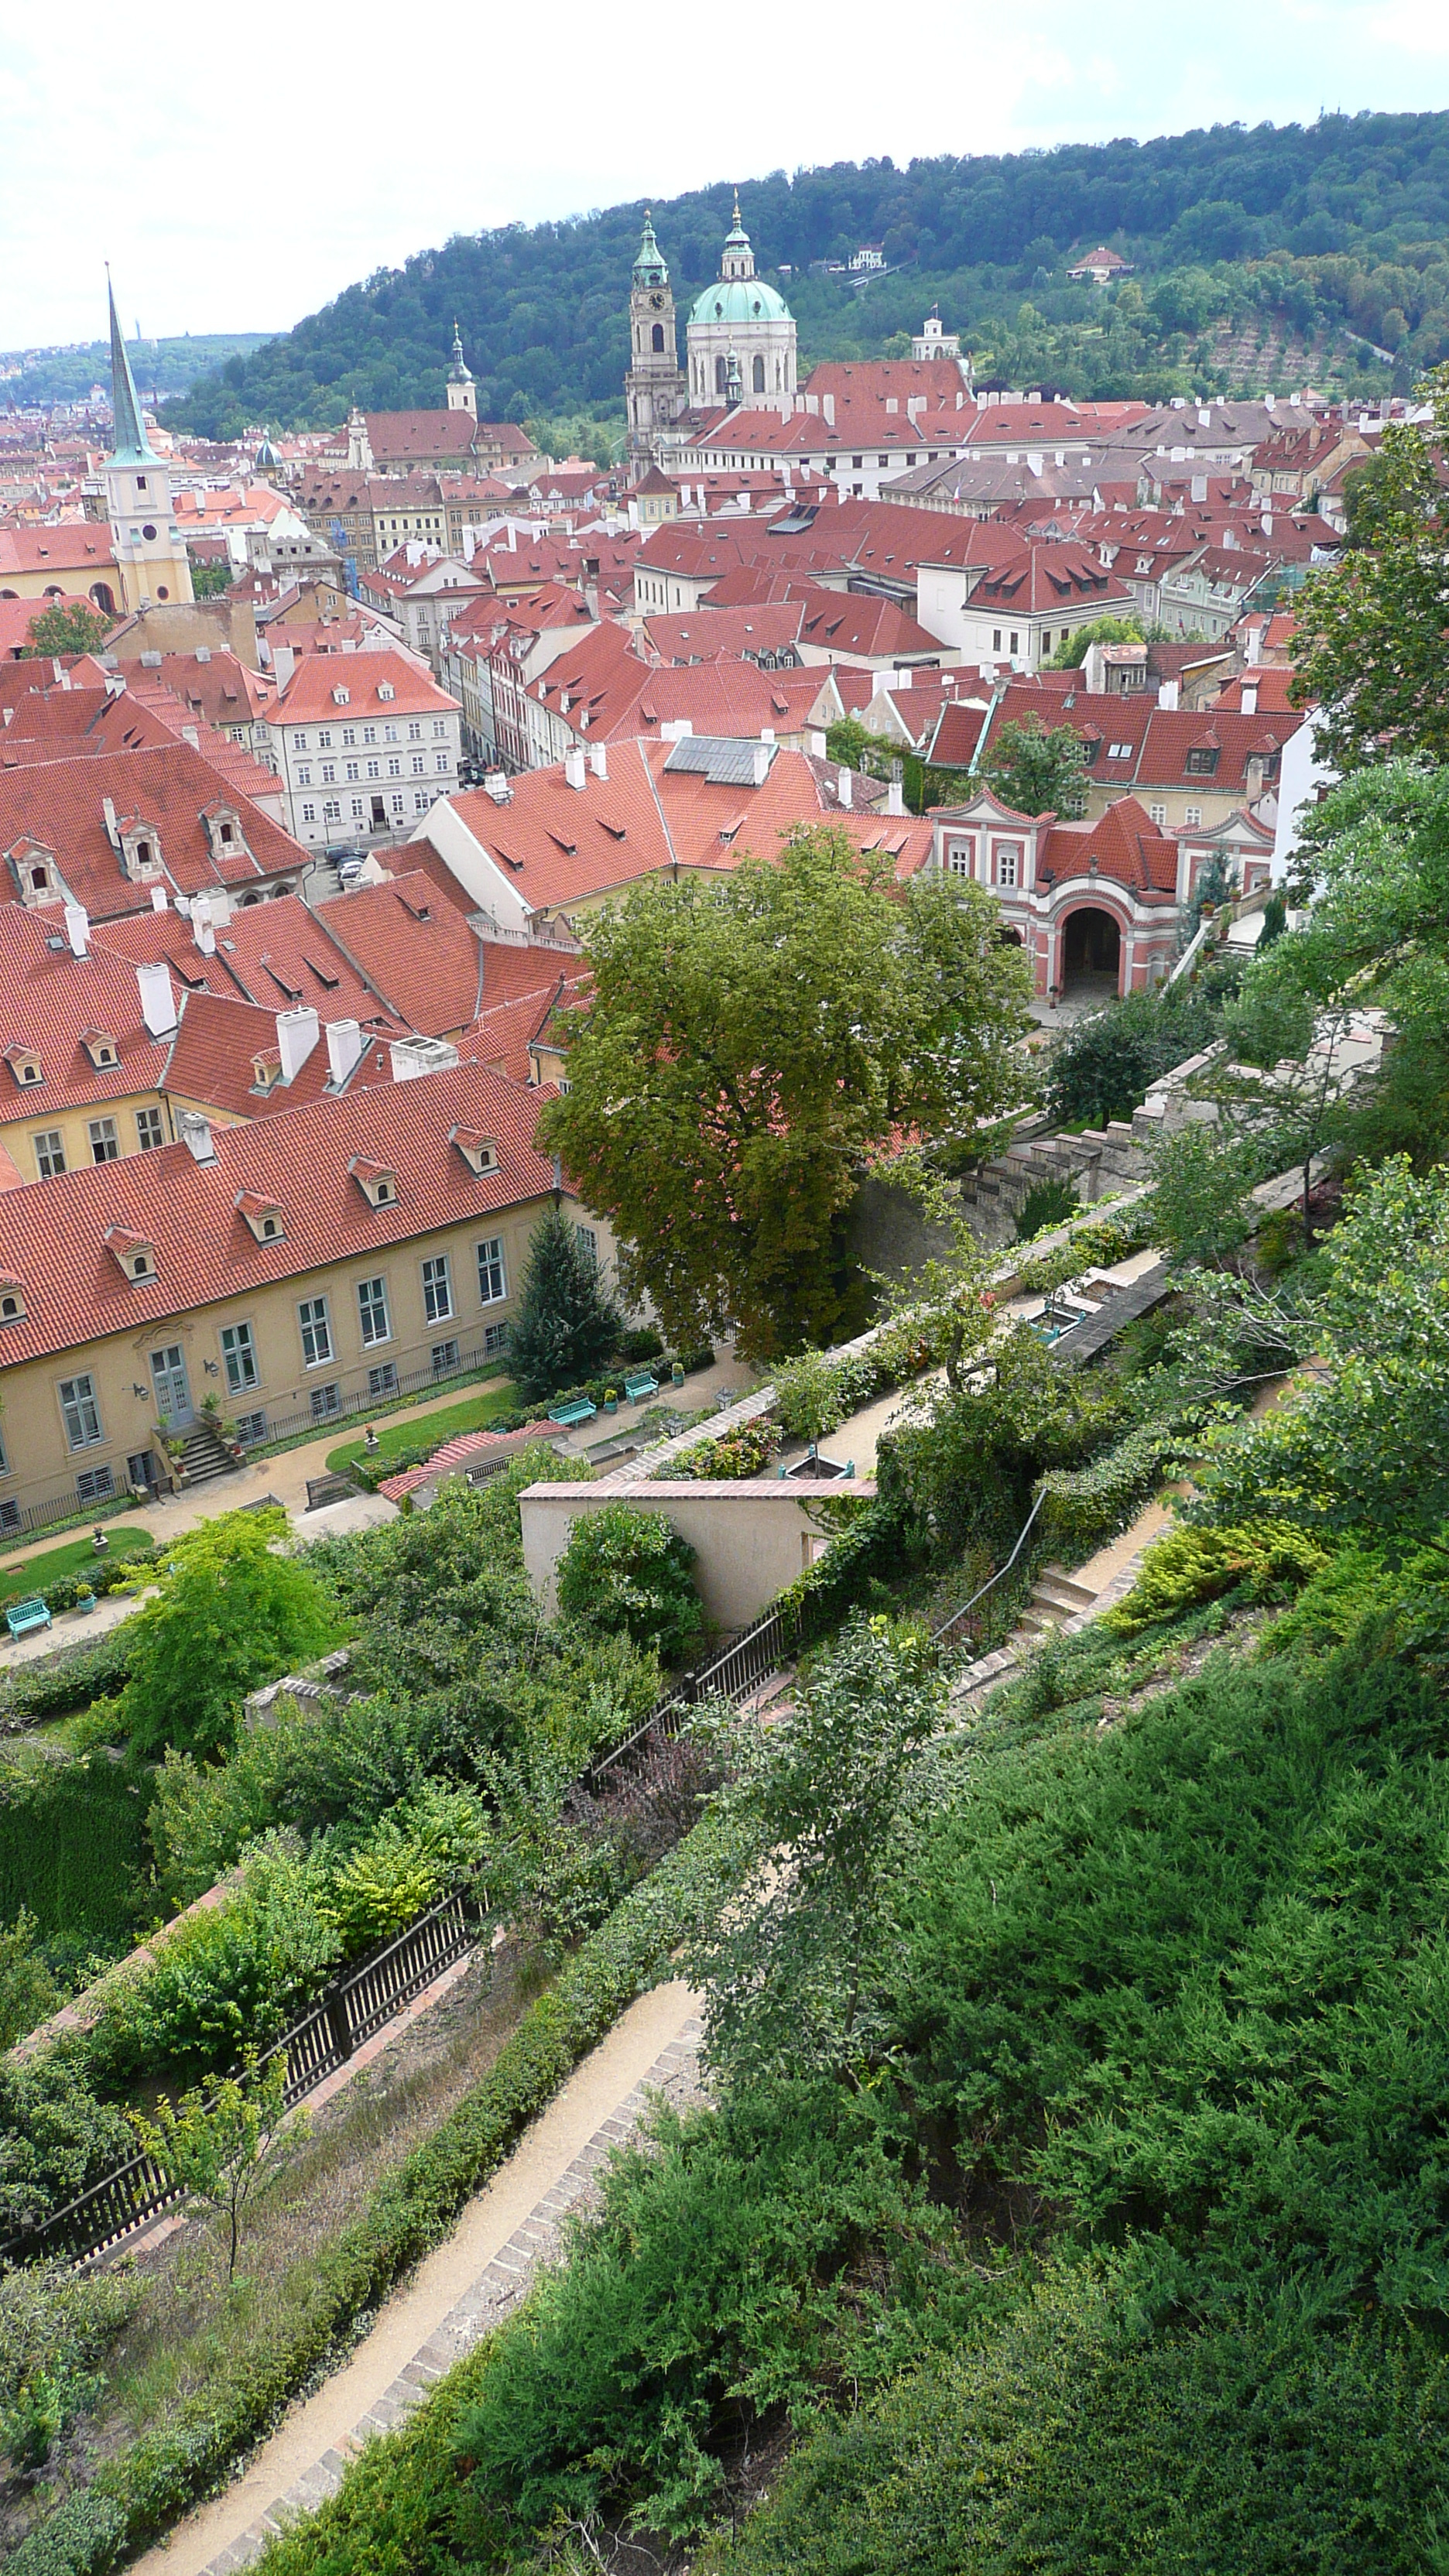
1087,1505
136,2495
39,1691
870,1547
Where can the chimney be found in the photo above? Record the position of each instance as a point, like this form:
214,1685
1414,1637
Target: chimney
297,1033
1253,646
574,765
158,898
195,1131
1199,487
76,926
284,663
345,1047
599,759
203,930
109,811
495,784
412,1057
1249,699
1167,694
190,734
895,798
827,408
844,784
158,1002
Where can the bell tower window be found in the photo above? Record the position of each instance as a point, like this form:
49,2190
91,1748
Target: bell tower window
656,339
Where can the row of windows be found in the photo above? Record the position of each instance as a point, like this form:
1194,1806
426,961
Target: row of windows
332,807
80,1405
1004,866
354,769
105,1142
348,734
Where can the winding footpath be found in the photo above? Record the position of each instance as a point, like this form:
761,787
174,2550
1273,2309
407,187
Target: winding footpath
457,2295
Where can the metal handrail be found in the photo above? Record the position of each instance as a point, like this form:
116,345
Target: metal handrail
947,1625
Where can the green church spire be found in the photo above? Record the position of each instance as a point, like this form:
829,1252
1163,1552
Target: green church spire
132,447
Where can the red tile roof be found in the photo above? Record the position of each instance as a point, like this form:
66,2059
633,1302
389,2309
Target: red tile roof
1123,844
419,954
470,1448
50,999
276,954
214,1053
53,1233
170,790
310,696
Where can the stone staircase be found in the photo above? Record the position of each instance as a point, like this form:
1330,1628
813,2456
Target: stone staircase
1099,1160
203,1455
1055,1597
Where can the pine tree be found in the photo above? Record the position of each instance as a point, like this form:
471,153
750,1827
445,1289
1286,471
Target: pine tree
568,1325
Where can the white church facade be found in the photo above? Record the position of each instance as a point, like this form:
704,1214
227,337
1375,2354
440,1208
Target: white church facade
740,346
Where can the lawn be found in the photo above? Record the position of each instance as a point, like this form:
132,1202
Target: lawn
405,1432
73,1847
18,1582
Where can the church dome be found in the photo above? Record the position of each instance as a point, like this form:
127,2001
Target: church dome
740,299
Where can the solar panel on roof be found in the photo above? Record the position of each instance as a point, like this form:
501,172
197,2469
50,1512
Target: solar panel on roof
725,763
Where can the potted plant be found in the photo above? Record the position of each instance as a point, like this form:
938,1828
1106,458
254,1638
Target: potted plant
611,1399
677,1373
85,1599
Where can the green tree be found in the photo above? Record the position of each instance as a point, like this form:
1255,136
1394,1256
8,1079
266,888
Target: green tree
814,1808
752,1044
1363,1442
220,2147
1102,630
1368,645
630,1572
67,628
232,1612
211,580
1202,1178
1038,769
567,1323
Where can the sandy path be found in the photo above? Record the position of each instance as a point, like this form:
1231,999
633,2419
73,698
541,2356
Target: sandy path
455,2296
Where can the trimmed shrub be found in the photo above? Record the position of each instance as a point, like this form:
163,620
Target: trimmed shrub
737,1454
1085,1506
1189,1565
629,1571
84,1673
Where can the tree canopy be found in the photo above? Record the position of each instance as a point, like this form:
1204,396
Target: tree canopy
1039,769
751,1045
66,627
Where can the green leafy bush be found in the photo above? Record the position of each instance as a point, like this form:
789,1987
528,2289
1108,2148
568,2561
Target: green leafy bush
1046,1205
641,1343
1085,1506
55,2137
746,1451
54,2328
73,1845
1094,1246
230,1615
1189,1565
1103,1064
629,1570
76,1677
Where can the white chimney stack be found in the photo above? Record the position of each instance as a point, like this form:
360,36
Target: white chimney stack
761,754
845,785
895,797
76,926
203,930
599,759
158,898
196,1136
158,1002
574,766
284,663
1249,699
1167,694
345,1048
297,1035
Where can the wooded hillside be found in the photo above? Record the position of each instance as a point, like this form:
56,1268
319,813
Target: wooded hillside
1259,253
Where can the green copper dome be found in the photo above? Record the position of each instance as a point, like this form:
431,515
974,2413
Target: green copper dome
649,267
740,299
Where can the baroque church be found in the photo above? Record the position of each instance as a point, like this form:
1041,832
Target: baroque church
740,345
151,557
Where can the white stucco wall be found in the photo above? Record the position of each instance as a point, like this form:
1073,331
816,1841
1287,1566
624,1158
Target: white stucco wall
750,1538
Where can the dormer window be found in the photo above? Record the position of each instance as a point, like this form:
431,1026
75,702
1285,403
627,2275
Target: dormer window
140,853
25,1065
342,697
377,1182
263,1215
102,1050
479,1152
135,1255
223,830
385,690
1202,762
266,1070
12,1302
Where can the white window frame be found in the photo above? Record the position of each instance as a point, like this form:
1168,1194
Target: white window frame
374,1319
239,1358
314,1323
492,1273
437,1289
50,1160
148,1120
103,1132
80,1408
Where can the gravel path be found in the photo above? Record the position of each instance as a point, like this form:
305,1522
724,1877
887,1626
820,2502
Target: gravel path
460,2292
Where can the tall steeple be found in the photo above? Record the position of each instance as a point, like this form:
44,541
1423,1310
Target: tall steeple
150,551
738,260
462,391
132,446
654,388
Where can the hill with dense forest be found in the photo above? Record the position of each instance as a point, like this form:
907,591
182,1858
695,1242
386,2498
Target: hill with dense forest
1261,256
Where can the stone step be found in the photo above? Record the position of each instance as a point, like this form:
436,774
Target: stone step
1064,1586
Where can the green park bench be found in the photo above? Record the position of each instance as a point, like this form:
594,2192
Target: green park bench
567,1415
23,1618
640,1385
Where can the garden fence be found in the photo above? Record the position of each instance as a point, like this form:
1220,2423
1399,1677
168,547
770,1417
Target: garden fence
355,2005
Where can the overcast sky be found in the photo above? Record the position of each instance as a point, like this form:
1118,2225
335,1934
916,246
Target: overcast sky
239,168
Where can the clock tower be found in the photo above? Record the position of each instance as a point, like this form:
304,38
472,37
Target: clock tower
655,392
150,550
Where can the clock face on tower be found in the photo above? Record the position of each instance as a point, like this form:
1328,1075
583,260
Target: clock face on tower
657,301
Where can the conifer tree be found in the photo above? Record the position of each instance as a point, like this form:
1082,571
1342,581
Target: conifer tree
567,1325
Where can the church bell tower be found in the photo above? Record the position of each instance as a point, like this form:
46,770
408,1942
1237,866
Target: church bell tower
655,392
151,554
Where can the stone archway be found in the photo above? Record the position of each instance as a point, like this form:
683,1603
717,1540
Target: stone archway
1089,954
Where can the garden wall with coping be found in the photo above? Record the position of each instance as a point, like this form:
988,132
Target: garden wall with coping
752,1536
